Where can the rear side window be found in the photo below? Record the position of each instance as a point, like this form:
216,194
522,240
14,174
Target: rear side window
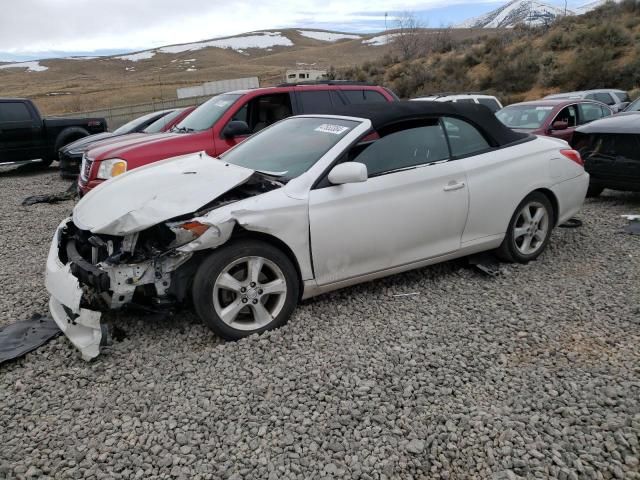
14,112
623,96
489,102
464,138
315,101
465,100
601,97
410,147
589,112
364,96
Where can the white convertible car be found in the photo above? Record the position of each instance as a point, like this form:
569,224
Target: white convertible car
311,204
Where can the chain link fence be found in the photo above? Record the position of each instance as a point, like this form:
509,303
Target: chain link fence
118,116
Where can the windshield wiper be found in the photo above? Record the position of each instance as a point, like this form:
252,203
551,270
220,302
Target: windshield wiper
273,174
182,130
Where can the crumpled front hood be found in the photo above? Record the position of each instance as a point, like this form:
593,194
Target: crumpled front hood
146,196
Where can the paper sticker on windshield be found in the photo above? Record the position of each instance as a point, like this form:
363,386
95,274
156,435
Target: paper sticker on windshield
329,128
544,108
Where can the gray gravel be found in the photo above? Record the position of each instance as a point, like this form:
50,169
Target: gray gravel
534,374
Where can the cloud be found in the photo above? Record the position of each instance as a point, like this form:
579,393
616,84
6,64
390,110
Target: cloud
28,26
88,25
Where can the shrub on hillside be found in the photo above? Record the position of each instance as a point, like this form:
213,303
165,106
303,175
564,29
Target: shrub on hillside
603,36
590,68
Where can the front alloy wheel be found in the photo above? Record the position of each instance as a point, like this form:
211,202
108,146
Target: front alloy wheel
249,293
244,288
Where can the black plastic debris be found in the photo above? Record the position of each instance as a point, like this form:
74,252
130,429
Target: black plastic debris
20,338
486,263
572,223
68,194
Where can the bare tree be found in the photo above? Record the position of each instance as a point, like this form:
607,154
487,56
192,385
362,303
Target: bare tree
409,39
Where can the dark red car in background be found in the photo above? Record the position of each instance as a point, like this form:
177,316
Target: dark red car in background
70,156
224,121
553,118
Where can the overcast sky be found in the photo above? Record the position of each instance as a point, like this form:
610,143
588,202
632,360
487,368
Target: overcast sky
40,28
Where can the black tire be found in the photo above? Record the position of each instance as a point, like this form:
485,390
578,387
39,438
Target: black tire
65,138
509,250
594,190
45,162
216,263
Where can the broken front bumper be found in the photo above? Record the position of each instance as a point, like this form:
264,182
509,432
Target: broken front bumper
75,284
80,325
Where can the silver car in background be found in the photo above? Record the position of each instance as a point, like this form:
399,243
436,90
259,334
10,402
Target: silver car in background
616,99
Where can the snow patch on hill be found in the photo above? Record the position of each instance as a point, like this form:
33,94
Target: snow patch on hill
30,66
380,40
327,36
587,7
254,40
529,12
136,57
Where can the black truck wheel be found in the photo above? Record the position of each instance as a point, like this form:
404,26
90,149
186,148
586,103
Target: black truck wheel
65,138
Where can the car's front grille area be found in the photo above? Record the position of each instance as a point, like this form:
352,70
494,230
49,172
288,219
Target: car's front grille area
85,169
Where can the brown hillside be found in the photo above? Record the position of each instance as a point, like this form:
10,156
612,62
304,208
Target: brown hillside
71,85
600,49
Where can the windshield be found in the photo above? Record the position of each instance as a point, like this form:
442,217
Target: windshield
135,124
633,106
207,114
160,124
524,116
289,148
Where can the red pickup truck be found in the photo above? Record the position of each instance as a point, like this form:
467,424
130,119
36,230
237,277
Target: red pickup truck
222,122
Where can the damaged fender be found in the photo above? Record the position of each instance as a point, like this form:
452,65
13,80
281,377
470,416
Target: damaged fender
287,220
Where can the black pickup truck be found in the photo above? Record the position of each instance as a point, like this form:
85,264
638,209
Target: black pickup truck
26,136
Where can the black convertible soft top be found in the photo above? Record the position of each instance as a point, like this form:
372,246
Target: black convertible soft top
385,114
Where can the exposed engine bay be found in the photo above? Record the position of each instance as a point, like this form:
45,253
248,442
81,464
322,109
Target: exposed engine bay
115,270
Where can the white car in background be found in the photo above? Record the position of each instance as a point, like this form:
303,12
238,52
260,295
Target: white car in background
308,205
618,100
487,100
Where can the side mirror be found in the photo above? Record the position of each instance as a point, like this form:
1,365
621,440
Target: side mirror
348,172
560,125
236,128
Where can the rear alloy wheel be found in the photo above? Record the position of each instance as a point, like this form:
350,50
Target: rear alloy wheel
529,230
245,288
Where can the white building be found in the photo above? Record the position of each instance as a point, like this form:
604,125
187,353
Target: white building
304,75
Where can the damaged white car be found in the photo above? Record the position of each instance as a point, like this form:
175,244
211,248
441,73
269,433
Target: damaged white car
308,205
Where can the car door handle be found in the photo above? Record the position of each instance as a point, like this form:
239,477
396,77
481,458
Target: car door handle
453,186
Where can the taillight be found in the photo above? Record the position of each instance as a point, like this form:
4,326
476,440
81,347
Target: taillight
573,155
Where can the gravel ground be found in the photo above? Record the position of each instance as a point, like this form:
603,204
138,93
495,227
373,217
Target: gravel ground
533,374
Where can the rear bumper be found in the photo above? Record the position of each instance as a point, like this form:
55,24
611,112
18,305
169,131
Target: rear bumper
81,326
624,184
570,194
